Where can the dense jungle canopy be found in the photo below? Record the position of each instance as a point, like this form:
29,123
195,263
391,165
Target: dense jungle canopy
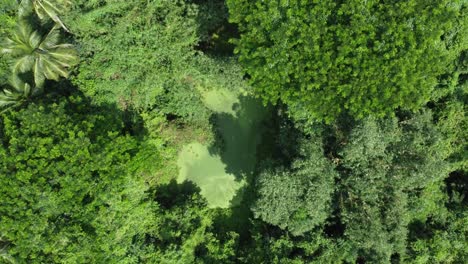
237,131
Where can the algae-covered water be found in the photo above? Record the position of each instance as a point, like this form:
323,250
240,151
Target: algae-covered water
221,171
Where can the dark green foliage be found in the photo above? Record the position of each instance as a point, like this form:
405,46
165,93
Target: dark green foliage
73,190
214,31
391,176
212,17
184,232
298,198
451,116
443,238
383,165
323,58
270,245
444,244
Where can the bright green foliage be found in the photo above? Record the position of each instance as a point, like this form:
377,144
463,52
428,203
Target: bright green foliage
74,190
8,22
456,42
451,107
297,199
67,190
450,98
141,55
88,179
7,16
323,58
43,55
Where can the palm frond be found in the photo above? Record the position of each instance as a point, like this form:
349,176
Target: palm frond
53,71
20,87
6,99
44,56
17,92
68,56
25,8
51,39
23,31
19,42
51,9
23,64
35,40
39,77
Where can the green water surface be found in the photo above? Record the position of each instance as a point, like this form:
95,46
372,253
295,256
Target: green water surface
221,170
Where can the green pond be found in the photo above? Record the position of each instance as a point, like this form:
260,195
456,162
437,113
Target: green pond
220,172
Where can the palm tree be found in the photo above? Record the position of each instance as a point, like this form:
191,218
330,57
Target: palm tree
44,56
17,92
45,9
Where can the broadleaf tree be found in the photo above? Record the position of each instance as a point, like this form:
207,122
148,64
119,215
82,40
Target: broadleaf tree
323,58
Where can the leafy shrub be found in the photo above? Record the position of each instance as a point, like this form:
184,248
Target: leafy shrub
69,191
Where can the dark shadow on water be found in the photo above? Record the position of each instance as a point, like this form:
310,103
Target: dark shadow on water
173,193
237,137
239,143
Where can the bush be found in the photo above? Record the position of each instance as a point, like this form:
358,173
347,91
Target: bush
69,191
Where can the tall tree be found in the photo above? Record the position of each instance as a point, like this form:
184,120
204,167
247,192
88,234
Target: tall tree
385,167
297,199
323,58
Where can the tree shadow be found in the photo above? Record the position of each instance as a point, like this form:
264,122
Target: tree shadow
243,142
172,194
215,31
238,136
457,187
131,120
